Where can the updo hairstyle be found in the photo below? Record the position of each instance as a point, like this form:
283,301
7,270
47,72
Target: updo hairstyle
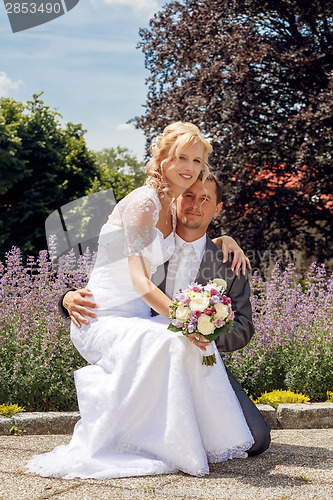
174,138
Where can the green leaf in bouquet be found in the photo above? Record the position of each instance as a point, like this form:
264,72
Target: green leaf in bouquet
219,331
173,328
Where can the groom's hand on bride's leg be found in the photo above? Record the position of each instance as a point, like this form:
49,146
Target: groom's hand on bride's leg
79,306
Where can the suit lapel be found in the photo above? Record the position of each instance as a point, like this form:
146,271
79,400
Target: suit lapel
159,277
210,263
212,266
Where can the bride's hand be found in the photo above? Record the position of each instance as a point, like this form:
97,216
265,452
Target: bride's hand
229,245
198,340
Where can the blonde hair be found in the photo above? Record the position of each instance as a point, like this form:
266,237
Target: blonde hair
175,137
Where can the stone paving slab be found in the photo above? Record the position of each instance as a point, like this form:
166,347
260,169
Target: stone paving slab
298,465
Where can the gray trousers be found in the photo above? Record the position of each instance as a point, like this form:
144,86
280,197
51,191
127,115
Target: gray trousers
259,428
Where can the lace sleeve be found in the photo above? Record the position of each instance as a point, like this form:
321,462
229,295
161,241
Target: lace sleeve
139,218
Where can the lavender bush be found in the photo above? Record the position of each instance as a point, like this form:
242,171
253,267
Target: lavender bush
291,350
37,358
293,345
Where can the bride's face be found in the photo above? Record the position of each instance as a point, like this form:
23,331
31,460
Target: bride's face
183,170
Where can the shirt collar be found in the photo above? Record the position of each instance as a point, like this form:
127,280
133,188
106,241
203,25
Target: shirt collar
198,245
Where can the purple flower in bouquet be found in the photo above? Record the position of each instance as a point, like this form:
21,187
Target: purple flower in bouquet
214,299
190,327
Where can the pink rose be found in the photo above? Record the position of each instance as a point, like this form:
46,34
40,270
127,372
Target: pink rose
218,323
207,311
231,315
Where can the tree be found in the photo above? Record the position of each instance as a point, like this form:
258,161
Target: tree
256,77
119,170
12,166
44,167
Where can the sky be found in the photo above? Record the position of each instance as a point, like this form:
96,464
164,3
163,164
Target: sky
87,64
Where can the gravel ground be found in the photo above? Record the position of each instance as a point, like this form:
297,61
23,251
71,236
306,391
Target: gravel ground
298,464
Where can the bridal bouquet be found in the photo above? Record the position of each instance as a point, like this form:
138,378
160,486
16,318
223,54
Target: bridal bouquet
204,310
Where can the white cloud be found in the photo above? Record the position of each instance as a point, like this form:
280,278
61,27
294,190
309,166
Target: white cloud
125,126
146,5
6,84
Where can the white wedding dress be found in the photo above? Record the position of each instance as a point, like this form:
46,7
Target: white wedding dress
147,404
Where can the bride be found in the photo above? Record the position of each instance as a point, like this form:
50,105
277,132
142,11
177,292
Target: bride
147,404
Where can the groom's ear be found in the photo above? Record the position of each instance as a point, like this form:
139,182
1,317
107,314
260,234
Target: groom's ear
218,208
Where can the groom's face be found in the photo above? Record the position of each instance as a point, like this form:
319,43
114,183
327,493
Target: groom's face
197,205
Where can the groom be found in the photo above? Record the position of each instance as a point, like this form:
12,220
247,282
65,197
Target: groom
196,207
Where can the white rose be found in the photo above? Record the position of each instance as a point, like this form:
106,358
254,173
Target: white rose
220,282
182,313
205,326
222,311
199,303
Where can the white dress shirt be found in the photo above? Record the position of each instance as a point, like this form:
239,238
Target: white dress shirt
196,256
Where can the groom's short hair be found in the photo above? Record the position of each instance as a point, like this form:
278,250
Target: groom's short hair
218,185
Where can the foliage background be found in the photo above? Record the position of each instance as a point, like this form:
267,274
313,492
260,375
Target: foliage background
256,77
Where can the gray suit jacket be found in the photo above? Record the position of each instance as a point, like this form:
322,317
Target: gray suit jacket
238,290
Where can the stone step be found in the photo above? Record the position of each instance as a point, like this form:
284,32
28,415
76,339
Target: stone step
299,415
40,422
286,416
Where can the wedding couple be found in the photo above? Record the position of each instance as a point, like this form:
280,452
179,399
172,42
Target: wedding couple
147,404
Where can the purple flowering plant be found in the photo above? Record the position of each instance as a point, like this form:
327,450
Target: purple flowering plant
203,310
37,358
292,348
